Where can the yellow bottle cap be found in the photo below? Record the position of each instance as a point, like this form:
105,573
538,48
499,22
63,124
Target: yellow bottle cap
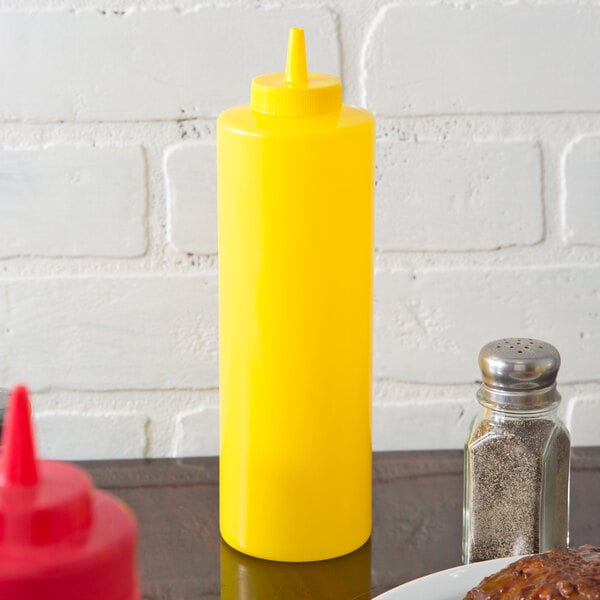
296,93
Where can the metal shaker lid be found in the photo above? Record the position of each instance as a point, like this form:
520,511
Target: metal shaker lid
520,372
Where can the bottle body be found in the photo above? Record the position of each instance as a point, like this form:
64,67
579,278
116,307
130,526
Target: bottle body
516,483
295,295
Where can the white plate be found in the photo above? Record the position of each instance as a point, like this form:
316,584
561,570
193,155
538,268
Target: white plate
452,584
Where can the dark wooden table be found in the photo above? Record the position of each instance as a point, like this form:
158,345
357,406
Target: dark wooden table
417,498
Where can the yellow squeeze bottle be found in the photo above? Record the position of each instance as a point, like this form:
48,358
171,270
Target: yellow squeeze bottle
295,190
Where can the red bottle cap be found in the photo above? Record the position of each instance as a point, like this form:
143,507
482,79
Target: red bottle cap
60,539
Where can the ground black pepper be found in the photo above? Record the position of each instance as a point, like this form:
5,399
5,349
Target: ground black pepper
518,488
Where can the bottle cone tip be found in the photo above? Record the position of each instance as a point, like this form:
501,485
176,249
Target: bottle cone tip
296,73
19,463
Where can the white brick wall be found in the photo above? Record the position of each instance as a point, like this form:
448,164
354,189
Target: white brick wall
87,437
487,215
435,195
132,65
582,191
487,58
106,333
73,201
431,323
190,172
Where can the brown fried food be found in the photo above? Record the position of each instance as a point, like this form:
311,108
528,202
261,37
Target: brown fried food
555,575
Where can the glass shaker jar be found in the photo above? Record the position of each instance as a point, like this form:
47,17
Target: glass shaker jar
516,478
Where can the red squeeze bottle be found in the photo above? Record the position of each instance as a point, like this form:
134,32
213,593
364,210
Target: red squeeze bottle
60,539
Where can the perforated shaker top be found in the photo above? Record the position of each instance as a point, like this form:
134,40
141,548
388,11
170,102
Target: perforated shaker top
519,364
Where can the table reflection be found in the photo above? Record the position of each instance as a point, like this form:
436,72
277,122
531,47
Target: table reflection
248,578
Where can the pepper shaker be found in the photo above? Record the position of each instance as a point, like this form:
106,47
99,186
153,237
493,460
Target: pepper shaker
516,486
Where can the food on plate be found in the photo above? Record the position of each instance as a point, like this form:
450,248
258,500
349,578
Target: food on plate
572,574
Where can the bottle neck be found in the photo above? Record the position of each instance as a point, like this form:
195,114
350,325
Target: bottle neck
521,403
